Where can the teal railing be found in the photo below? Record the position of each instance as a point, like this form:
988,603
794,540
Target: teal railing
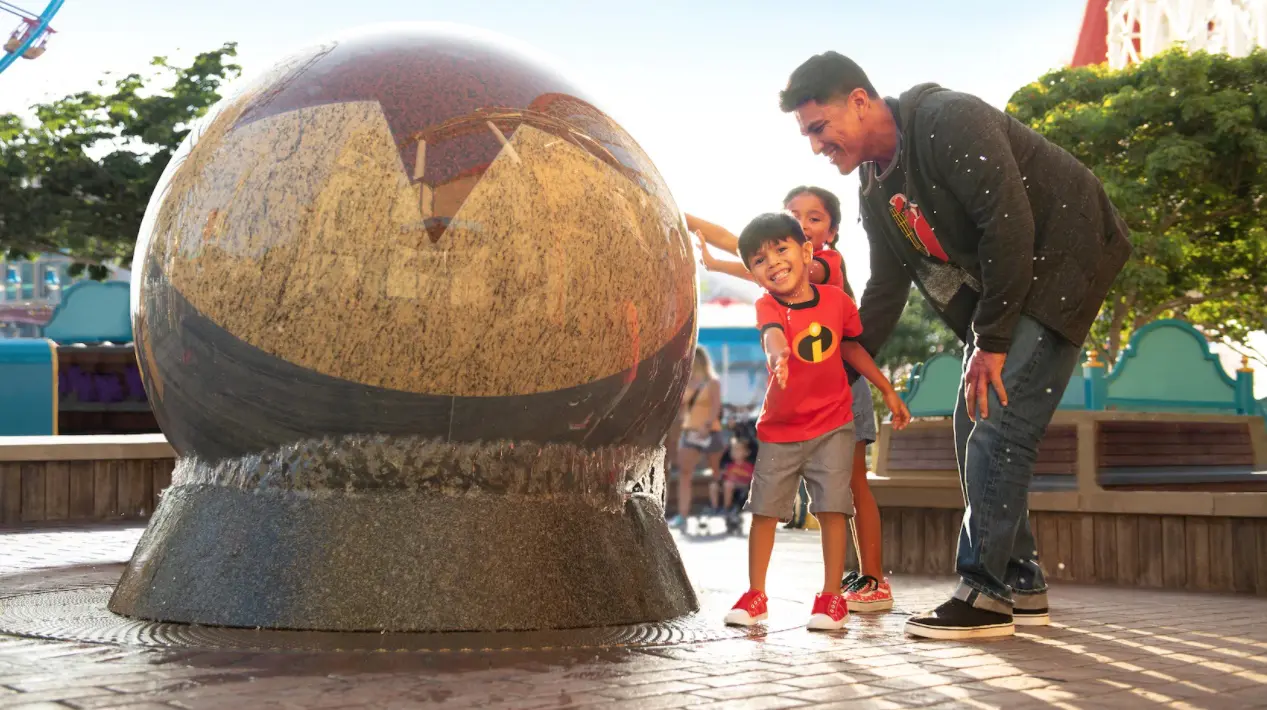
1166,367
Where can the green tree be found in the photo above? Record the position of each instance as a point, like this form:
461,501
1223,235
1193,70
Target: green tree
1179,142
78,180
919,335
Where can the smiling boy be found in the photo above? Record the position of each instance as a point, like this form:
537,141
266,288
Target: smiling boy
807,333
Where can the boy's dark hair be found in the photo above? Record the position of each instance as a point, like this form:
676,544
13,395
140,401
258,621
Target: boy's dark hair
830,202
765,229
823,77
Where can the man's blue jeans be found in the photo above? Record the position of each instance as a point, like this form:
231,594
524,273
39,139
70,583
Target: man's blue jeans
997,555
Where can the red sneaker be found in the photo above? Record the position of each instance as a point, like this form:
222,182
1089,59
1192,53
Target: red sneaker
868,595
830,613
750,609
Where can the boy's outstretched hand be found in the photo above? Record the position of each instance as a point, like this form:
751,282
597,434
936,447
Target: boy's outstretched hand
901,415
778,365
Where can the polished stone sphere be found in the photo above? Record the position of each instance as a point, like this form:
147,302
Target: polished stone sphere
418,232
417,260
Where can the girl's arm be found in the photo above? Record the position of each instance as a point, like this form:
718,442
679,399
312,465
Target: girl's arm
817,272
861,361
719,237
824,261
729,267
722,238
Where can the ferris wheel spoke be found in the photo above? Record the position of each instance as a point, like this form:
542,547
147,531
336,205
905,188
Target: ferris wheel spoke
29,40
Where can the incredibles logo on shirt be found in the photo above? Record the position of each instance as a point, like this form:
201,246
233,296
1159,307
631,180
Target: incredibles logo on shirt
814,344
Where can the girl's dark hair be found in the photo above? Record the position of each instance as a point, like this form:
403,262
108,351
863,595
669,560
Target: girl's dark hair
830,202
767,228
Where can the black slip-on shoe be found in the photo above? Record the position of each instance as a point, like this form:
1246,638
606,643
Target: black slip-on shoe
957,620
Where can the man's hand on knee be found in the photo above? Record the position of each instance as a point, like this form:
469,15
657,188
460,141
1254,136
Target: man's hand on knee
985,370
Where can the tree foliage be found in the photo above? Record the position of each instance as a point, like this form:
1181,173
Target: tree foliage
919,335
1179,142
77,181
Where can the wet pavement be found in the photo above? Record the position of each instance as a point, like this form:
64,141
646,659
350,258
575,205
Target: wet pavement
1107,647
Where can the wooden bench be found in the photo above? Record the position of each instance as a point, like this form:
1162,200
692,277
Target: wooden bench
47,479
926,454
1164,500
1177,456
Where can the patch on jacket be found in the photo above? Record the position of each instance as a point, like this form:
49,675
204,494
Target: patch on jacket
910,219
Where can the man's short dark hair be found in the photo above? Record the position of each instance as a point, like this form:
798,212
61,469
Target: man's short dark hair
821,78
765,229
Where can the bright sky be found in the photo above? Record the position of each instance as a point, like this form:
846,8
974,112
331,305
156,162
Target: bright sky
694,81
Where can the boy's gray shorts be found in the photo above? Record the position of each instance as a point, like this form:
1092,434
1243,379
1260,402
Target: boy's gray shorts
825,463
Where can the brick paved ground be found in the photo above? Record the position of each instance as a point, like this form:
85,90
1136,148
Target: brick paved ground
1108,648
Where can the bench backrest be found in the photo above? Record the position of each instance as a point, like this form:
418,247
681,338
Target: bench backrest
1182,455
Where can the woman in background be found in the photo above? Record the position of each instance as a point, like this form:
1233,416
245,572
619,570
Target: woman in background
701,430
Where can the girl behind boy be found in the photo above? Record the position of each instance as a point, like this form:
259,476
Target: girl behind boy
818,212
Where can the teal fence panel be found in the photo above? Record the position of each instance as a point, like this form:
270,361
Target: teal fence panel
1166,367
28,387
92,312
934,386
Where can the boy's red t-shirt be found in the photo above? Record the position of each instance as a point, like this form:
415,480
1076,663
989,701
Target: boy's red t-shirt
834,264
817,398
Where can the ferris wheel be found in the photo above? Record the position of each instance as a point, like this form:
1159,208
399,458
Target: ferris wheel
1138,29
30,39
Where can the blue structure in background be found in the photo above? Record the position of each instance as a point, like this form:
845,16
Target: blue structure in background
738,358
934,385
1167,367
28,387
92,312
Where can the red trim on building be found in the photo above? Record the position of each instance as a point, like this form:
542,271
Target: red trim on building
1093,39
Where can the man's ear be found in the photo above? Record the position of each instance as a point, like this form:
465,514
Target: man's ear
859,100
807,251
